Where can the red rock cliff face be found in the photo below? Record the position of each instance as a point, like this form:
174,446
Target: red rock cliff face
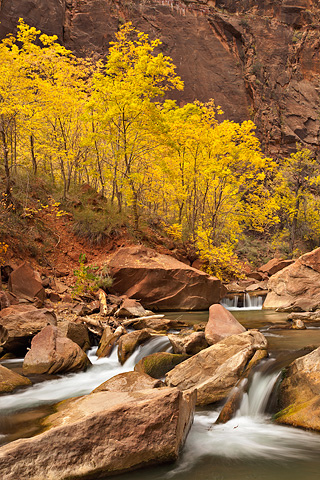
257,59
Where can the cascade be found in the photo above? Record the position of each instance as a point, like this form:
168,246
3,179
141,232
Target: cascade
249,439
82,383
243,302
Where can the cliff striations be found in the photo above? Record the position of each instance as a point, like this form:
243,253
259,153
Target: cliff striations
258,59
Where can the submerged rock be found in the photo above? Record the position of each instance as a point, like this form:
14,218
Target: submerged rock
213,372
221,324
299,393
52,353
162,282
101,434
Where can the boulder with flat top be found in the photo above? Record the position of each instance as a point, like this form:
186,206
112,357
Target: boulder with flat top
161,282
102,434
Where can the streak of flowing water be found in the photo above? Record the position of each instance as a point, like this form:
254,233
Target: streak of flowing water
254,402
249,435
246,302
75,384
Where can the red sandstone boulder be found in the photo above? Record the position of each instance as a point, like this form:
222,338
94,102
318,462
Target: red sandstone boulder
109,338
129,342
274,266
299,393
10,380
102,434
162,282
77,332
130,308
221,324
297,287
214,371
188,342
52,353
20,323
24,282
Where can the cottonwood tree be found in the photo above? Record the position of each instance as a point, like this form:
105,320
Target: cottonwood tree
125,105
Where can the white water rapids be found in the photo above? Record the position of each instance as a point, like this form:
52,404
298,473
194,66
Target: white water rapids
76,384
249,437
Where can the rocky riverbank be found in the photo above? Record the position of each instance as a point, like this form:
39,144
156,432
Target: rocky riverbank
138,418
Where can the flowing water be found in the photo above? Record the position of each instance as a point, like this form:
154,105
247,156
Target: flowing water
248,447
243,302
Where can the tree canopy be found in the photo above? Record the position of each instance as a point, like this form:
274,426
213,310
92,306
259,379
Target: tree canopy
113,125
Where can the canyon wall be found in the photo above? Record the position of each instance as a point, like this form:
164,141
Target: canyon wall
258,59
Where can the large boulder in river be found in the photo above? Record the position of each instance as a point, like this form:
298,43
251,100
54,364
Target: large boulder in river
102,434
213,372
26,283
20,323
129,382
162,282
299,393
297,287
77,332
221,324
10,380
52,353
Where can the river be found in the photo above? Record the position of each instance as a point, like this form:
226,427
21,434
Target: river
248,447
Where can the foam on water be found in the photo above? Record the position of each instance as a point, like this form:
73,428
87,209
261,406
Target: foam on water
247,302
76,384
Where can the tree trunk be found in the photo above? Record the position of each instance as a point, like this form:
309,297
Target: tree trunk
33,155
5,150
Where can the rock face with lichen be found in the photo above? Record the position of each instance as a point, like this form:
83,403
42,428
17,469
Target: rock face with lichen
299,393
258,59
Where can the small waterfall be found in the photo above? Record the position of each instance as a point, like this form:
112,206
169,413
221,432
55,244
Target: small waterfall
243,302
255,400
82,383
230,303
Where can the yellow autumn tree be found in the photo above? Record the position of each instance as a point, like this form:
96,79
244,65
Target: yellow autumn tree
125,109
217,173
